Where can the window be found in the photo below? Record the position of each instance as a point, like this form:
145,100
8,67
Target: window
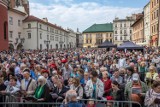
124,25
115,38
52,38
5,30
121,25
130,31
157,28
115,32
154,15
19,23
56,38
152,4
40,46
11,20
19,34
115,25
125,32
152,29
121,32
110,34
29,25
47,28
87,36
120,38
47,37
29,35
40,36
157,13
124,38
40,26
11,34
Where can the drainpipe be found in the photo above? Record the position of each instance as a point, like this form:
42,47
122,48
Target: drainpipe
37,36
158,44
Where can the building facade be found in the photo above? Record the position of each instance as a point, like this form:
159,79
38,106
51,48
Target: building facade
79,39
154,23
40,34
3,25
138,31
122,29
97,34
147,24
71,39
17,12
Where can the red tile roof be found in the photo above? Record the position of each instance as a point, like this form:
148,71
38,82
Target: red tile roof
33,18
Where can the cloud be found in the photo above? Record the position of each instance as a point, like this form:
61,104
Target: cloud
80,15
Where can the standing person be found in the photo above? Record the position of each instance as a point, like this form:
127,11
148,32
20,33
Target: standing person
28,85
67,71
45,73
142,70
107,82
152,98
42,90
130,71
71,100
11,89
77,87
121,62
135,90
94,87
151,75
117,77
2,87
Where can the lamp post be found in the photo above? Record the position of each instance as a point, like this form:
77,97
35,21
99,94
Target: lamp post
47,42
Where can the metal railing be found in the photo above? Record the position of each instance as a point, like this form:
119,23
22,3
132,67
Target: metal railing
12,101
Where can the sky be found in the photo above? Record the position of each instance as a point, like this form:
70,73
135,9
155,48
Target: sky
84,13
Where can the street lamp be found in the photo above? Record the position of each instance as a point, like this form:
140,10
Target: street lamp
22,40
47,42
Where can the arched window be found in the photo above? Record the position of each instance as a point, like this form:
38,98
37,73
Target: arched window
5,30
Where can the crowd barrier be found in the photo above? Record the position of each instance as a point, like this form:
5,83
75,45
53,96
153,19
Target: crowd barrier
13,101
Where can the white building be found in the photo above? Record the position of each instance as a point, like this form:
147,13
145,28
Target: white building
122,29
40,34
17,12
71,38
147,24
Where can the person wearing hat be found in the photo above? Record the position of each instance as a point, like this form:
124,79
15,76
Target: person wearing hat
136,89
45,73
28,85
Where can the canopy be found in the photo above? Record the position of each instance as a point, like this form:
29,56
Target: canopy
106,44
130,45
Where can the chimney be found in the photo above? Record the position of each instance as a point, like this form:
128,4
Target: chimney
26,6
45,19
12,4
77,30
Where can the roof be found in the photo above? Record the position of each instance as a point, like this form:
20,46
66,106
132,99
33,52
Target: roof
129,45
108,27
139,19
33,18
17,11
106,44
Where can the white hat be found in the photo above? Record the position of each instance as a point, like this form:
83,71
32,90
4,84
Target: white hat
135,77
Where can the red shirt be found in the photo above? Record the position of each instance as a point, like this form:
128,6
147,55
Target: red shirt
107,85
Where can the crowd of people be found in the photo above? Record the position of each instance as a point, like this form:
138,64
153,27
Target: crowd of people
54,75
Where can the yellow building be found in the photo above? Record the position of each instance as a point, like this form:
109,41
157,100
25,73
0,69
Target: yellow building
138,31
154,14
97,34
